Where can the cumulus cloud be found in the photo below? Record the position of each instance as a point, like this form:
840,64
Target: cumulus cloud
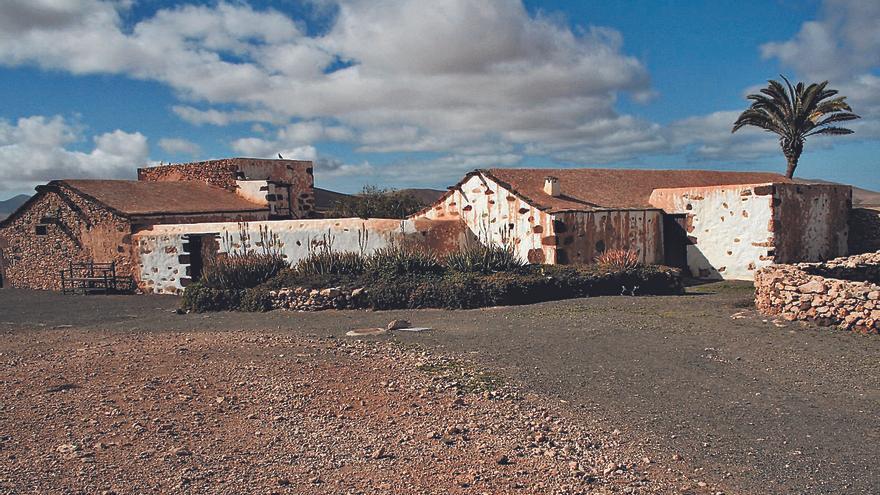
473,81
709,137
842,46
34,149
178,146
844,42
504,78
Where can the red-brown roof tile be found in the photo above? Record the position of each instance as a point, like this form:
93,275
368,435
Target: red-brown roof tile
160,198
597,188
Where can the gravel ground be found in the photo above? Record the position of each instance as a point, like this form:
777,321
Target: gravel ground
701,385
247,412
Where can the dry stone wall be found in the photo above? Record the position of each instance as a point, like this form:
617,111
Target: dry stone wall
302,299
59,227
864,230
842,292
295,177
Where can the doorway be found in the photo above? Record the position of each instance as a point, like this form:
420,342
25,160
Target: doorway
675,241
199,250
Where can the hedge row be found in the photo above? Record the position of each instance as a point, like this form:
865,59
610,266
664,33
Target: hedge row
452,290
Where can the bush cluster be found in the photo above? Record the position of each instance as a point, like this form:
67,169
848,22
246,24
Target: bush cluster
241,270
200,298
398,277
455,290
619,259
484,259
532,284
373,202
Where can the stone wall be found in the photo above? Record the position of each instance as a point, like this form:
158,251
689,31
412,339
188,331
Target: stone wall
810,221
807,291
294,179
302,299
864,230
220,173
58,227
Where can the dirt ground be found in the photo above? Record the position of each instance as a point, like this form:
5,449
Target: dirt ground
687,394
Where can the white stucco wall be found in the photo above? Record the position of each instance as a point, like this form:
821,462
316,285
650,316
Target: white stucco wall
730,227
254,191
492,213
159,247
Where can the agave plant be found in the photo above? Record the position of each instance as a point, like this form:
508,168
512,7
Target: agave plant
796,113
619,259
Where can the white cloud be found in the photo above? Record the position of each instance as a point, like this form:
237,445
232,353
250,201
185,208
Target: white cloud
38,148
475,81
842,46
844,42
213,116
178,146
503,78
709,138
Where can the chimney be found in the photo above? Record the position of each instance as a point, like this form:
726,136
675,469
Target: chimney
551,186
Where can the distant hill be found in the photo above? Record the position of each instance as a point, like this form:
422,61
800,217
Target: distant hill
325,199
862,198
427,196
12,204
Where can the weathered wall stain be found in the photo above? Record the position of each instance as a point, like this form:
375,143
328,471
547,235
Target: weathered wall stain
735,230
495,214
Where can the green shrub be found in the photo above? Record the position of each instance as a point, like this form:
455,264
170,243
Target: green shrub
239,270
619,259
398,260
373,202
256,299
484,259
452,291
329,262
199,298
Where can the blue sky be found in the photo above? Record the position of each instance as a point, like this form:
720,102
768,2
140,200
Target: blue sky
410,93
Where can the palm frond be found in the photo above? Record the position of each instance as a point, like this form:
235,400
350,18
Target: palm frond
837,117
795,112
834,131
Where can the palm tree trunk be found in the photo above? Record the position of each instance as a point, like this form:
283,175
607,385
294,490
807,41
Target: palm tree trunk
792,164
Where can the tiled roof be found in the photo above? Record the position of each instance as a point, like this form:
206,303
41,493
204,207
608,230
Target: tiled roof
597,188
160,198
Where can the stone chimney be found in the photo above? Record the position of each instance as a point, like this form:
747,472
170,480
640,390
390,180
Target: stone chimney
551,186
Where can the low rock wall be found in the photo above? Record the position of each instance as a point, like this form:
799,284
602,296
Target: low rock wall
807,291
302,299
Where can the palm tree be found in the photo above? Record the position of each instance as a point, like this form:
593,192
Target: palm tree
796,114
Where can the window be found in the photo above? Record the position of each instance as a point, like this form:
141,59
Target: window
41,230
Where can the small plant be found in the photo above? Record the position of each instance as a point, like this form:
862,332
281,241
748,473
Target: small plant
481,258
401,260
241,270
329,262
373,202
242,266
619,259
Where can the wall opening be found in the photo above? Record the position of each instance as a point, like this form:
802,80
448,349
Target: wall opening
675,240
198,250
